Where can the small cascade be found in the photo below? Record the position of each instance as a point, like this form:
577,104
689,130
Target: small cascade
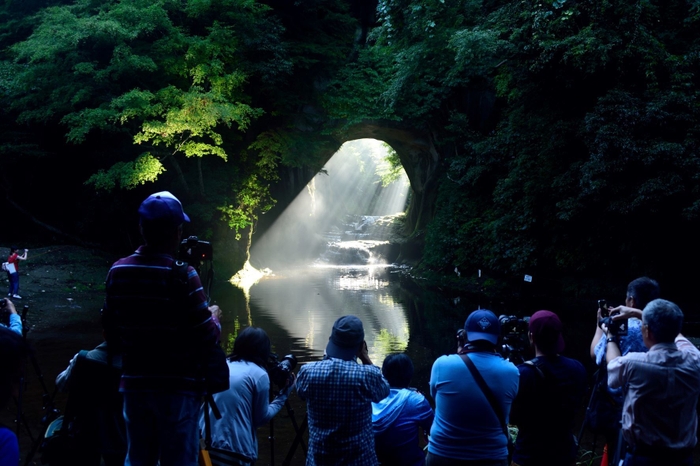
360,240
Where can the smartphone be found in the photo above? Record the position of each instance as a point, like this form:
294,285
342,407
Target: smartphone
603,306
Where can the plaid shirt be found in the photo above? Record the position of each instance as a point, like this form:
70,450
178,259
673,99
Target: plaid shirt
339,397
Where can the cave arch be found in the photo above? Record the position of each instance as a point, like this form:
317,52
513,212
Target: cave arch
418,156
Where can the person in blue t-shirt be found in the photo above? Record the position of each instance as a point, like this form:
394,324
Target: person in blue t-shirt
13,354
14,321
551,391
466,429
397,418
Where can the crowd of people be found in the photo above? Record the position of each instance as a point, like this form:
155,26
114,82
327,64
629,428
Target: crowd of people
160,390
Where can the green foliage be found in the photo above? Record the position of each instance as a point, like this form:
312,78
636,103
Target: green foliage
171,76
596,129
389,168
128,175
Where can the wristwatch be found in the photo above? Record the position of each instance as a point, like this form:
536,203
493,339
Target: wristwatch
611,340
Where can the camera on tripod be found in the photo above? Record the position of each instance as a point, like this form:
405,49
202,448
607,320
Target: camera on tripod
193,251
615,327
280,372
197,253
514,340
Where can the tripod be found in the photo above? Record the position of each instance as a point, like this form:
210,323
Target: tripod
47,399
298,438
599,390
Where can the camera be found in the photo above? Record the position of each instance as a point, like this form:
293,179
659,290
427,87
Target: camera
514,340
199,255
193,251
461,337
280,372
615,328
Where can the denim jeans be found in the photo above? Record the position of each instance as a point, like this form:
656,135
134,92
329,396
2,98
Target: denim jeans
161,426
14,283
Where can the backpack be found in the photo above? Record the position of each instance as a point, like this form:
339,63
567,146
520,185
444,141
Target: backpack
92,423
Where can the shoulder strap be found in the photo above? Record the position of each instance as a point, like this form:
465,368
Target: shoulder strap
487,392
177,282
537,365
179,272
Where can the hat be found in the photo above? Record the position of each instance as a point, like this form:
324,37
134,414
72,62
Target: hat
346,337
163,207
545,328
483,324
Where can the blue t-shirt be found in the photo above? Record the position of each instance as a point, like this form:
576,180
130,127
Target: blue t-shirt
544,411
9,450
396,420
466,426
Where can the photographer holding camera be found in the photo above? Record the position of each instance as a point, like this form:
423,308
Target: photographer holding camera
245,405
339,393
549,394
157,310
473,392
10,317
605,414
661,389
13,270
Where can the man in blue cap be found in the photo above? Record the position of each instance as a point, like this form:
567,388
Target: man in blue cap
162,323
339,393
468,429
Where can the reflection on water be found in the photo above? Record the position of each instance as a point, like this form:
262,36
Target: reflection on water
297,308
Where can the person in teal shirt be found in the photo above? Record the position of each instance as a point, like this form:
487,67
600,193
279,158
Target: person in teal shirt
397,418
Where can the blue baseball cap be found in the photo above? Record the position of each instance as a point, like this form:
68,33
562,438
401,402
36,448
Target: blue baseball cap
163,207
483,324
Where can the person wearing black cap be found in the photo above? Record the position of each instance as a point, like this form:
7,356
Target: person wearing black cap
339,395
467,430
168,335
551,390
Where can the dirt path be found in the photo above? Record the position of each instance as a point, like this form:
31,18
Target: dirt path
63,287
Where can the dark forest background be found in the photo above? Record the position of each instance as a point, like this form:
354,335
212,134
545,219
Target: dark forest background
552,138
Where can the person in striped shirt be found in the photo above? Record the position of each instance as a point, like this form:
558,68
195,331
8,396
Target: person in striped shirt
165,329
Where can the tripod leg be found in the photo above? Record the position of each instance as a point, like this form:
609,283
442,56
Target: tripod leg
293,418
297,440
271,438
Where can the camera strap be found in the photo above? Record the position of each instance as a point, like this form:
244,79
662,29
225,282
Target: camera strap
490,397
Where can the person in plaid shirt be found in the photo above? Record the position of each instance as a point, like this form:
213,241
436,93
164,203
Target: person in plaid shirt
339,393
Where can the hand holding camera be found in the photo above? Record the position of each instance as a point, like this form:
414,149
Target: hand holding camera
612,321
280,372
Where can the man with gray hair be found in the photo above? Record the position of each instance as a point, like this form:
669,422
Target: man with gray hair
661,387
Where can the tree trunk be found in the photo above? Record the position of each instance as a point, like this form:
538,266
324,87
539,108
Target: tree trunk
178,171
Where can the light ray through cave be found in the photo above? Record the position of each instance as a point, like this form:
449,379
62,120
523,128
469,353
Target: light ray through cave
336,205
